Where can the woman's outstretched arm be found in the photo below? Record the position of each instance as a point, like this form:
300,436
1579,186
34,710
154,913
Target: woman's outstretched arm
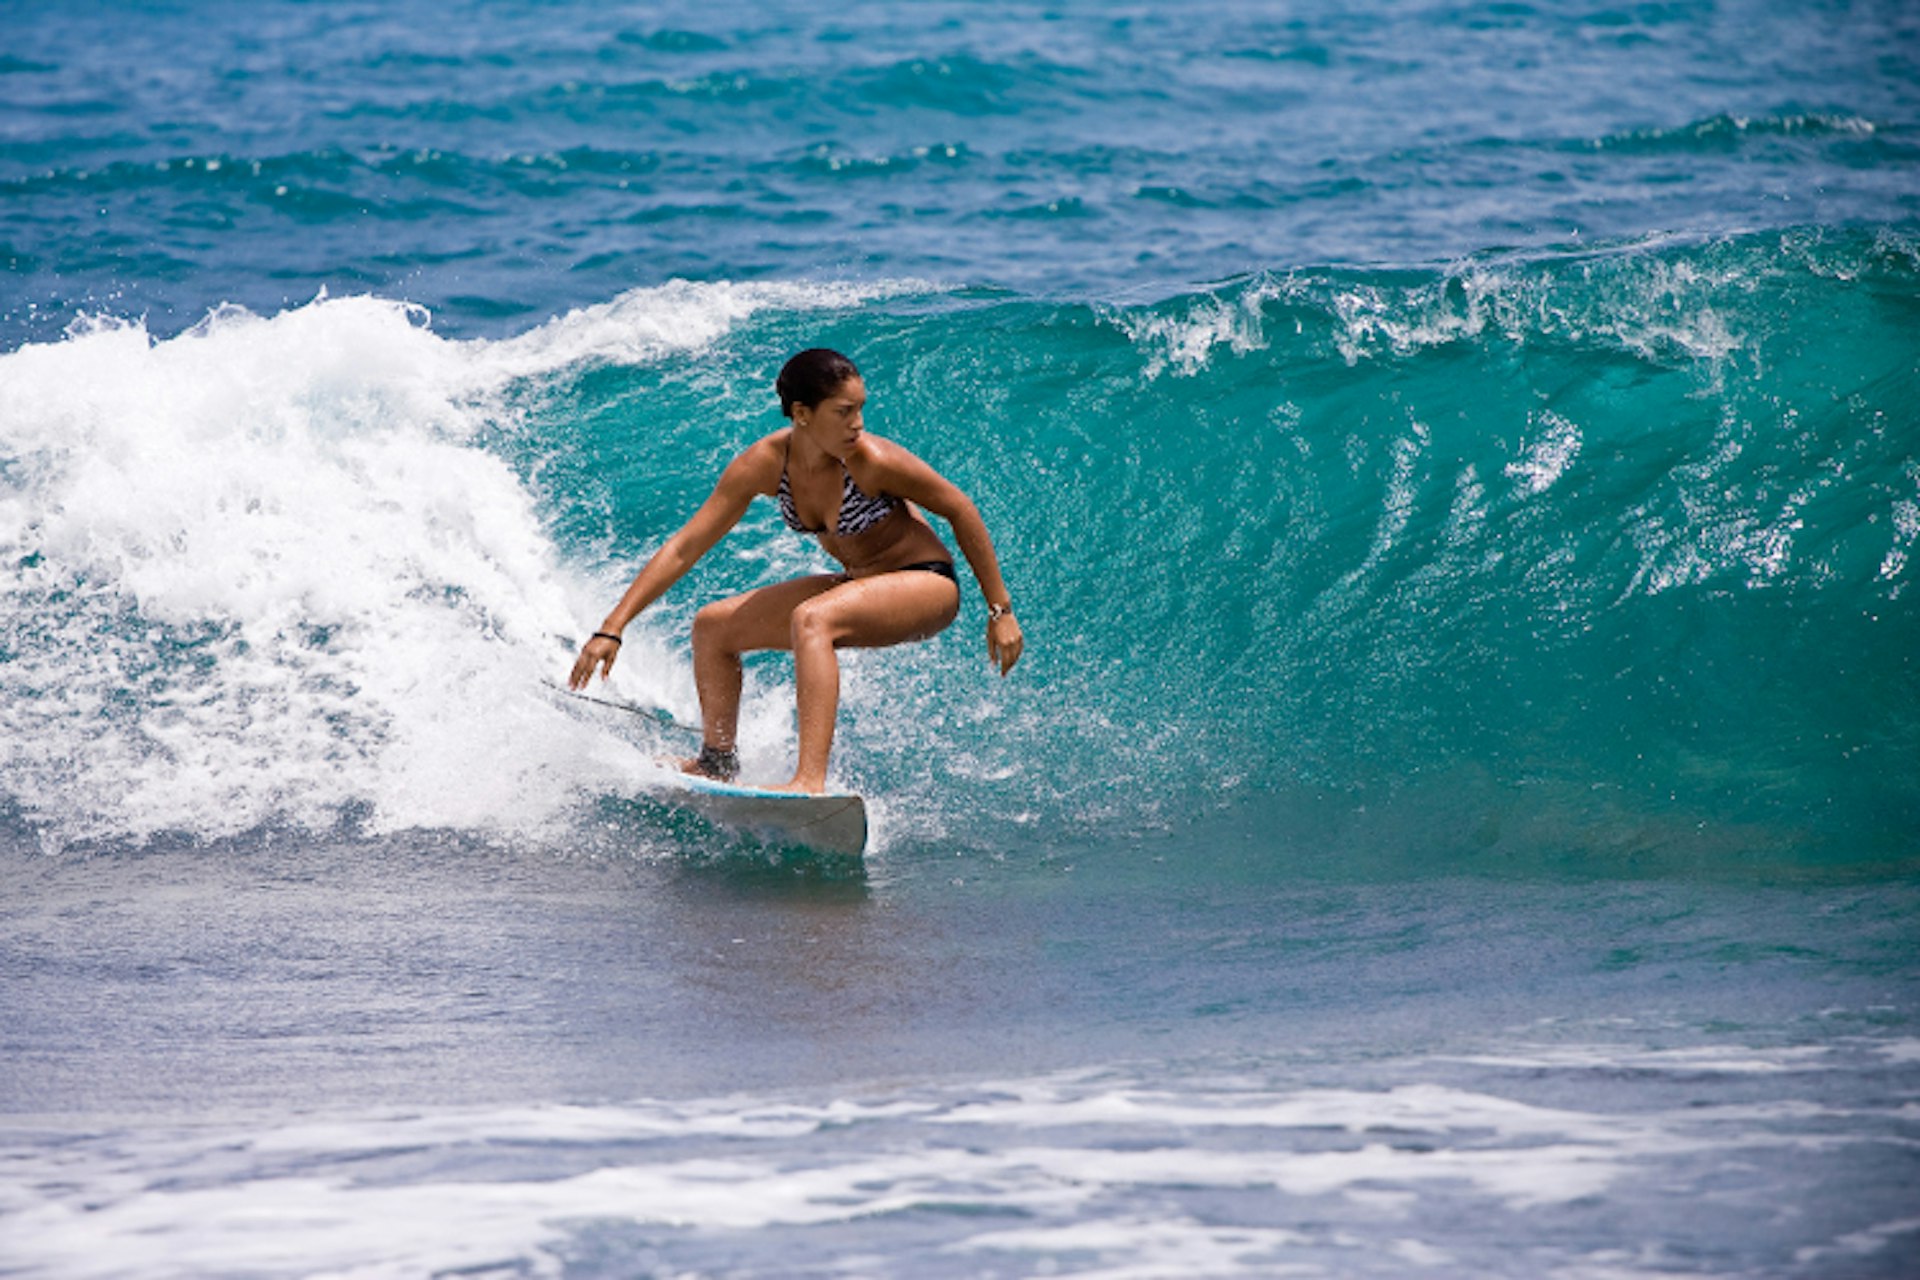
717,515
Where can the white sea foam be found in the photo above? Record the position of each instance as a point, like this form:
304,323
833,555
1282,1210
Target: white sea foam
1142,1250
1411,463
1856,1244
1604,1057
645,325
1551,453
1408,320
1468,515
1906,529
1901,1051
263,572
1186,340
1090,1172
1632,299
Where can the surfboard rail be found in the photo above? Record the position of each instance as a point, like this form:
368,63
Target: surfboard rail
831,822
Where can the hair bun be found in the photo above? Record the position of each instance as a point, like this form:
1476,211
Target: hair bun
811,377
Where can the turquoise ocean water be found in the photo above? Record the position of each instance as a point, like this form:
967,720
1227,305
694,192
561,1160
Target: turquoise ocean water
1458,469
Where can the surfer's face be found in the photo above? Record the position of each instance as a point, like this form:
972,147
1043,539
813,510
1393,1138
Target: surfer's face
835,423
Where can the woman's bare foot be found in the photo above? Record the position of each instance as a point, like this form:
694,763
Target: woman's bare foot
803,786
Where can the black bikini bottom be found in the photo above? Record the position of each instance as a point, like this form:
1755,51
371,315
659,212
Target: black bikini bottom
942,567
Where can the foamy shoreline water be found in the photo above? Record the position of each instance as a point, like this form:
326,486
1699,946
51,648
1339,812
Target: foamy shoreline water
1187,1171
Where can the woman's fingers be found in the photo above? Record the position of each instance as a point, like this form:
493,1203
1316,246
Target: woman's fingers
1004,643
594,653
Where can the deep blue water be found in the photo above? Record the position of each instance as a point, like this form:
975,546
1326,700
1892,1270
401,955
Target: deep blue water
1459,474
506,163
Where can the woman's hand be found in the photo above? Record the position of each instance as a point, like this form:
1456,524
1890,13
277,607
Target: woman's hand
1004,641
600,651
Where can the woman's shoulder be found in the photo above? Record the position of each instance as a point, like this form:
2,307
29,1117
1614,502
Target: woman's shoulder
771,445
883,456
879,450
758,466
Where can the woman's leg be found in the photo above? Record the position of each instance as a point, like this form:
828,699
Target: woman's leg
726,629
864,613
812,617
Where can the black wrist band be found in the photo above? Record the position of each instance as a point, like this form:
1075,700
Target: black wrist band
604,635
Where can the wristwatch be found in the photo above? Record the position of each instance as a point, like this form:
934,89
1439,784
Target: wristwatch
995,612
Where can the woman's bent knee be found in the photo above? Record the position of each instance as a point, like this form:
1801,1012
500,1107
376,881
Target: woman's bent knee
812,623
710,623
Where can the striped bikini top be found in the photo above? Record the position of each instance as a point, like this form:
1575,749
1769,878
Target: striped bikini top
859,511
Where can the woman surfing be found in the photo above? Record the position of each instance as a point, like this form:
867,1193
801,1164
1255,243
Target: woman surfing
858,494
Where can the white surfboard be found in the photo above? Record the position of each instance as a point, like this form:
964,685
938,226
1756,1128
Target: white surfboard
834,822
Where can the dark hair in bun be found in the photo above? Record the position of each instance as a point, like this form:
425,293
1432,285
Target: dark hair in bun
811,377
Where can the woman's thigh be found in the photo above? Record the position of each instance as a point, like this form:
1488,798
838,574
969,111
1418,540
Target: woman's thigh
888,608
761,618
